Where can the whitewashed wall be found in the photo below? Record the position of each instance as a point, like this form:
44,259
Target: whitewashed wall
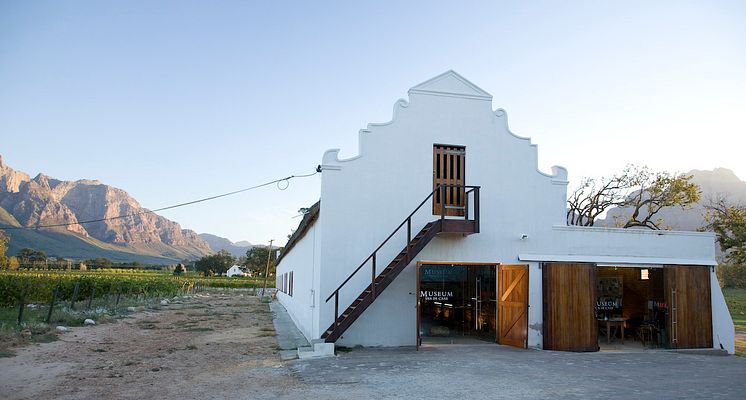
303,260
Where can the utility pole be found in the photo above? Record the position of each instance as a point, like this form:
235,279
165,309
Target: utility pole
266,270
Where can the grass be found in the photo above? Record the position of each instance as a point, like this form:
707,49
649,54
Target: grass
7,354
736,299
34,328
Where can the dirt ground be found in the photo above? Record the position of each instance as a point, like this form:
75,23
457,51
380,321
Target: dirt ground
741,342
218,344
222,345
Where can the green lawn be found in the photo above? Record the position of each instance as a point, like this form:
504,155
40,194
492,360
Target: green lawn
736,299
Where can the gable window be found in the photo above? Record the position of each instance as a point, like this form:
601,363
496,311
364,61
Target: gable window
449,168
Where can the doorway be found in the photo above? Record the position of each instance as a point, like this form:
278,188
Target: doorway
590,307
457,303
449,169
662,307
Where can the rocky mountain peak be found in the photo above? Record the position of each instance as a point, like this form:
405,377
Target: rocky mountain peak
10,179
44,200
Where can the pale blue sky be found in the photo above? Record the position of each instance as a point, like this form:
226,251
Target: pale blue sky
179,100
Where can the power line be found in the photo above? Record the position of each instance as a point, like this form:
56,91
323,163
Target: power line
276,181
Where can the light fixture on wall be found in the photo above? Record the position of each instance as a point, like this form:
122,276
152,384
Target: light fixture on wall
524,236
644,274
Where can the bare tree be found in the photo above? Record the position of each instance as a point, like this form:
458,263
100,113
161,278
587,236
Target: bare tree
593,197
640,189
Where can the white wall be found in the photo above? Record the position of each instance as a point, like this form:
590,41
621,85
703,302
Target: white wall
303,260
723,330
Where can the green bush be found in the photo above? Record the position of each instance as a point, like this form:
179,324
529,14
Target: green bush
732,276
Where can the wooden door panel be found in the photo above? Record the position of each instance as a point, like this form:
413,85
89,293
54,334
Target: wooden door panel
569,293
449,163
687,292
512,305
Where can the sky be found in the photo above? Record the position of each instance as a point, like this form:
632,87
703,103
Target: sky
178,100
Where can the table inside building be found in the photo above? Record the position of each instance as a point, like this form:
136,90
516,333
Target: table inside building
612,322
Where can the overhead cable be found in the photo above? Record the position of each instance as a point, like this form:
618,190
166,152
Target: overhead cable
285,180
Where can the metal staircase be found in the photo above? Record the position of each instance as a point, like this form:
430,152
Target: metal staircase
380,281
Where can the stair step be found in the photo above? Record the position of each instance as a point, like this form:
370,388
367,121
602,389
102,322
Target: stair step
380,282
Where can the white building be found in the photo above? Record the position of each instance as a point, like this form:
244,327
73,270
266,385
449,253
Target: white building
235,271
487,255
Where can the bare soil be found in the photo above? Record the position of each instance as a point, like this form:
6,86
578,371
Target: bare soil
214,345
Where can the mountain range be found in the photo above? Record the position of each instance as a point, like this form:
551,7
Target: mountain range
218,243
30,203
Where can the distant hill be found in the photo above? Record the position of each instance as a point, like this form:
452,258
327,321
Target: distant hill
218,243
141,236
718,182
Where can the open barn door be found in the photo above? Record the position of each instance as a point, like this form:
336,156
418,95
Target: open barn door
512,305
569,292
687,291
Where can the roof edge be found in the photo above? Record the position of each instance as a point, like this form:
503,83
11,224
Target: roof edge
305,224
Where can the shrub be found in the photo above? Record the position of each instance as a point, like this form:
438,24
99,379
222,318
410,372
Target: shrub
732,276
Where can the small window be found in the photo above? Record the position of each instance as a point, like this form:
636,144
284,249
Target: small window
644,274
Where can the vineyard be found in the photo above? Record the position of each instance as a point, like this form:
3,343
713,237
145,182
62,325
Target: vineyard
42,286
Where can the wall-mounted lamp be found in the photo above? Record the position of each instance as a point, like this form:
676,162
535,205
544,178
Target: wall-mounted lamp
524,236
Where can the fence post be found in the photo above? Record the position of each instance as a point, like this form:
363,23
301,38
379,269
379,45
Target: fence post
90,299
51,303
119,294
22,304
75,295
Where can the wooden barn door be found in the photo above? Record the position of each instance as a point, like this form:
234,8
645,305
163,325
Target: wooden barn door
687,292
512,305
449,165
569,292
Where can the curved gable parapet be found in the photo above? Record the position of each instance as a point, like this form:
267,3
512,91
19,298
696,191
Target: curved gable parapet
558,175
399,105
502,115
330,160
331,156
448,84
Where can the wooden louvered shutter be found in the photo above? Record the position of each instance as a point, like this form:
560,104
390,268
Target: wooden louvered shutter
449,164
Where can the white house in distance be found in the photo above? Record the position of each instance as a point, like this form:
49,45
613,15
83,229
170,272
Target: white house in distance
443,230
235,271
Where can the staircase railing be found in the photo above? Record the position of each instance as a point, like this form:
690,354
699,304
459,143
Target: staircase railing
469,191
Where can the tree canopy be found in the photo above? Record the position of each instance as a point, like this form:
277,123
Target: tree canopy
728,221
256,259
639,189
215,264
3,248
